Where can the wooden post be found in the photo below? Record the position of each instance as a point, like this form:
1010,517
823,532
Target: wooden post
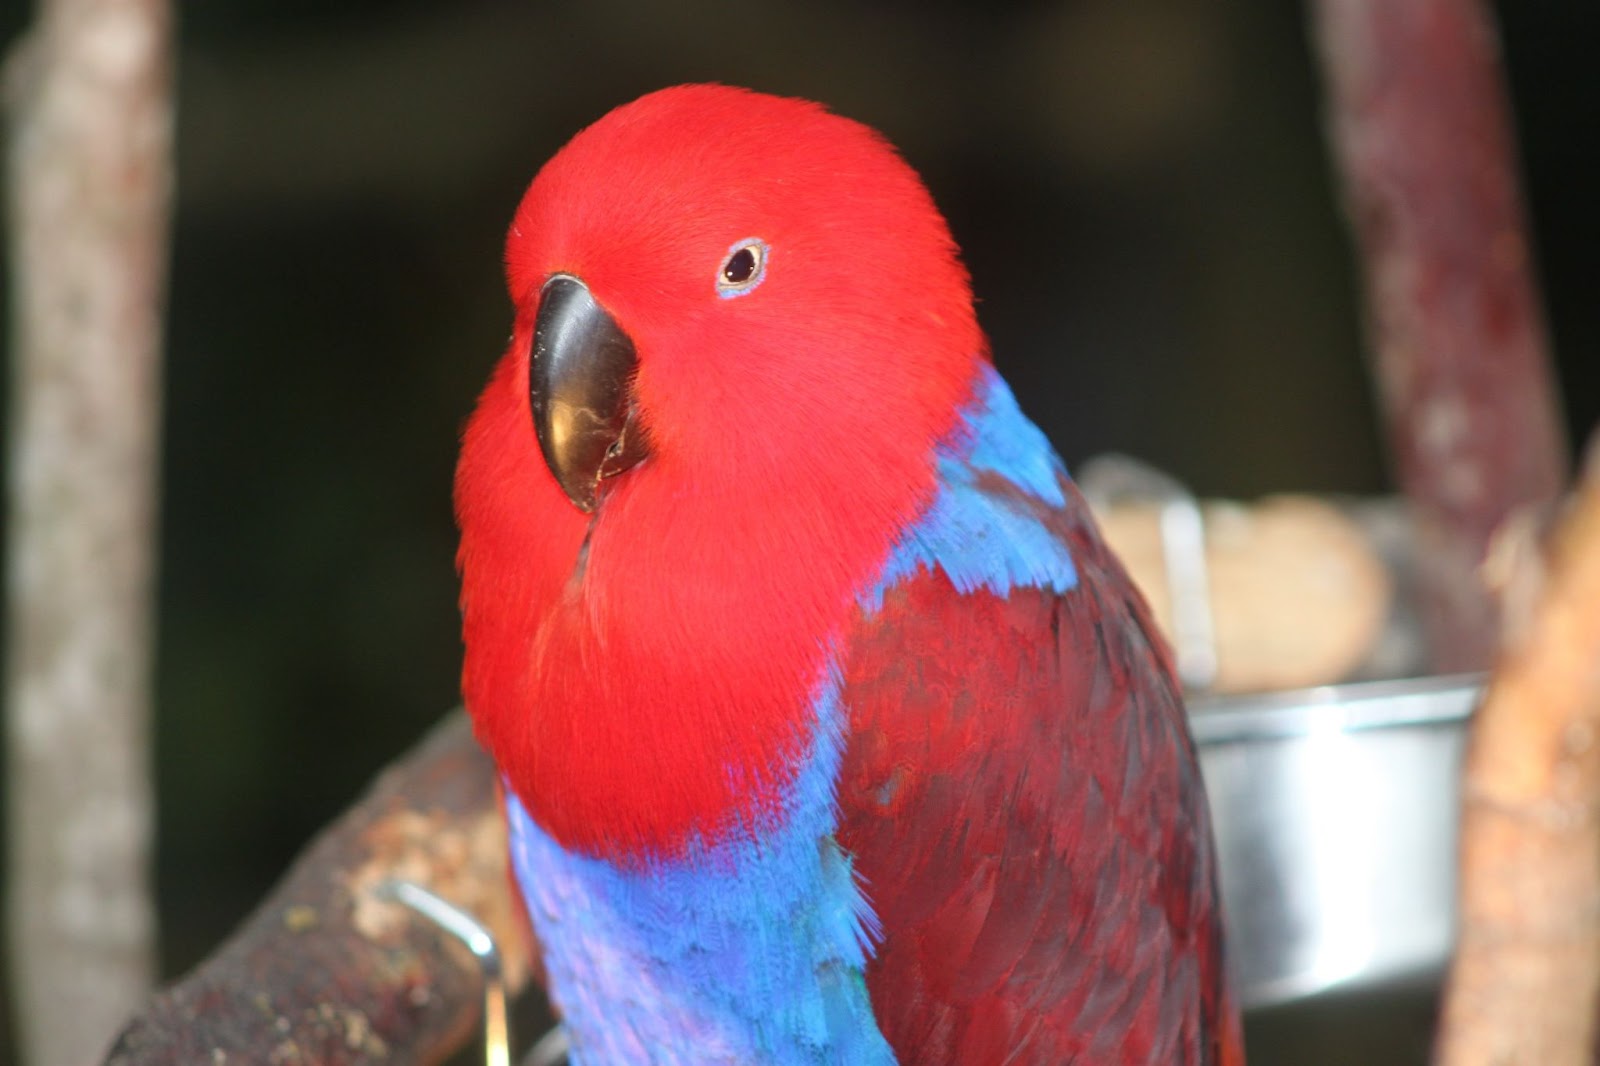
1421,133
1525,981
90,173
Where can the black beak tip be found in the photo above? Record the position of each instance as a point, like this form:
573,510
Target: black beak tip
580,384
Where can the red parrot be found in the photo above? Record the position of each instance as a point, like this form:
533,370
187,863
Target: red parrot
831,731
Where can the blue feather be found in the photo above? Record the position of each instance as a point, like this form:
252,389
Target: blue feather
753,949
979,540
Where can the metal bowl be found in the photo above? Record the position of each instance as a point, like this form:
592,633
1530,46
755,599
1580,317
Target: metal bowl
1335,811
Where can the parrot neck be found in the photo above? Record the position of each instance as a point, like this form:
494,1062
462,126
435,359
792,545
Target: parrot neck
994,453
748,950
644,678
753,947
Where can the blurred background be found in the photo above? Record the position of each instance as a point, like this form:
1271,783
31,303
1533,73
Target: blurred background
1141,188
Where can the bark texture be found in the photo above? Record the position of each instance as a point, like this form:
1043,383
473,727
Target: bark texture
1420,128
90,172
327,972
1526,976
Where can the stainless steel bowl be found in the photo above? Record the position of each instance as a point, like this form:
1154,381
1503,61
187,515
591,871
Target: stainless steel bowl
1335,812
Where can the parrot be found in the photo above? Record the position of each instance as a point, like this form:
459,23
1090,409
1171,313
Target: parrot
829,729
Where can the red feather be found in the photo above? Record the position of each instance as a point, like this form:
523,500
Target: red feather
790,436
1023,803
1018,791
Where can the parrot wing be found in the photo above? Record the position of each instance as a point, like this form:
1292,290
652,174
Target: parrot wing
1020,794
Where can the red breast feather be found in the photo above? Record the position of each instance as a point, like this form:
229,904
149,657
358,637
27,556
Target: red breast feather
660,692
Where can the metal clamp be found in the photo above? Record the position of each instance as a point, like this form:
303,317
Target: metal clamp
1109,479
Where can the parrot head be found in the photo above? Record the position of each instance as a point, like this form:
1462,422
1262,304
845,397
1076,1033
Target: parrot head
740,326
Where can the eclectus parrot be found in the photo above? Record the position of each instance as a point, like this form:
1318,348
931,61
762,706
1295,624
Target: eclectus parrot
831,731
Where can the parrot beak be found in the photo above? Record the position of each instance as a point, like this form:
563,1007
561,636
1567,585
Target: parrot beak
580,379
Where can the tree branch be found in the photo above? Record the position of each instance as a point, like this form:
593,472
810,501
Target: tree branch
1419,125
90,173
325,971
1526,975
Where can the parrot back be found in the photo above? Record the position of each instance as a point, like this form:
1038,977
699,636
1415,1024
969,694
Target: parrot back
1020,791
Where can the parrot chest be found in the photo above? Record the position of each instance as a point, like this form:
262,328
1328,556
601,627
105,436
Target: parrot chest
753,949
750,950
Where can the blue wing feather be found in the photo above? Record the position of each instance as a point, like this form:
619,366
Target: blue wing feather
981,539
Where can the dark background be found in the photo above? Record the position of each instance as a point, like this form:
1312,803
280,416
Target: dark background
1141,188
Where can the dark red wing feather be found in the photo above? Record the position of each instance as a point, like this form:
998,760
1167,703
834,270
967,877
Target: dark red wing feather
1022,800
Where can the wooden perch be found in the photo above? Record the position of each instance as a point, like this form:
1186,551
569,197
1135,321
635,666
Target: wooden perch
1421,133
323,971
1526,977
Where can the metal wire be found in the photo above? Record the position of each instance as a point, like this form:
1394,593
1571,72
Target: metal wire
478,940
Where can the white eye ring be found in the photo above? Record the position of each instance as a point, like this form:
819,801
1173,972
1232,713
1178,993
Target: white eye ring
743,268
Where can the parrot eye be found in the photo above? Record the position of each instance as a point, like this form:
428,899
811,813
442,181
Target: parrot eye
744,268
